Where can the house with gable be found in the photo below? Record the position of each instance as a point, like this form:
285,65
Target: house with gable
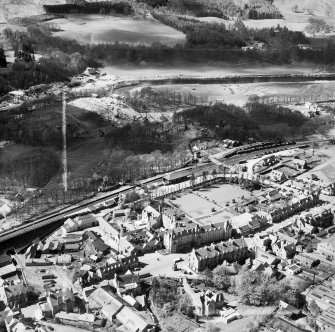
151,217
127,283
215,254
205,303
54,302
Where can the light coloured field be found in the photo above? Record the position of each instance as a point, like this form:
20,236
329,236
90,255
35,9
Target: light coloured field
296,21
194,206
95,29
201,203
224,193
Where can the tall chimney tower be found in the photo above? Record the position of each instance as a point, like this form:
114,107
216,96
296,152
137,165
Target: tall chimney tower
64,158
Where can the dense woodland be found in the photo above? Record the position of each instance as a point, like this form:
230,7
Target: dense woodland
31,129
142,100
253,9
32,168
259,121
102,7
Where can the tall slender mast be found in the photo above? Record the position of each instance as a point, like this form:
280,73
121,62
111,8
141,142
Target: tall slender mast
64,158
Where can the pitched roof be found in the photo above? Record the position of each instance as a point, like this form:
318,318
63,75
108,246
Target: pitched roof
100,245
5,260
101,297
132,319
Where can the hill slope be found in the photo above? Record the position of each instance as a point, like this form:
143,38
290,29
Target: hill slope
23,8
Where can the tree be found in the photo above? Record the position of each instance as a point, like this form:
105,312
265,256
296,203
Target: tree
207,274
214,174
221,277
3,62
131,197
192,180
204,175
167,309
328,9
314,309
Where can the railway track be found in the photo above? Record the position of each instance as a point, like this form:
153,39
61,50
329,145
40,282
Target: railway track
61,215
94,203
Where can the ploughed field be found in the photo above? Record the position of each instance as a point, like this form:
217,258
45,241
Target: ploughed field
95,29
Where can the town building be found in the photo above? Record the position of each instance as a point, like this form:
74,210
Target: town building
305,259
246,223
79,223
127,283
151,217
283,249
14,296
54,302
293,269
277,175
326,320
326,247
173,217
85,321
138,242
135,321
183,238
323,296
324,178
215,254
178,175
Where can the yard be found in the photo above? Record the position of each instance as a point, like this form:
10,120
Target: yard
223,193
249,314
208,204
195,205
157,264
33,275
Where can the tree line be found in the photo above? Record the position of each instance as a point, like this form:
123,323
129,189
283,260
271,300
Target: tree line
147,98
252,9
102,7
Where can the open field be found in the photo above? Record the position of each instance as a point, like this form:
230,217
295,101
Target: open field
201,203
223,193
296,21
95,29
194,205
